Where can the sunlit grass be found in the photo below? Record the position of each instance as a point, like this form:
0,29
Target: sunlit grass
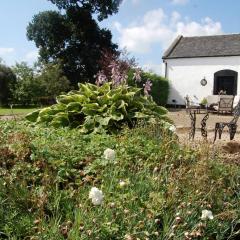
16,111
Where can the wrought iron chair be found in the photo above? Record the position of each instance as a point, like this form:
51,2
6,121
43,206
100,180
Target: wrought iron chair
225,104
232,125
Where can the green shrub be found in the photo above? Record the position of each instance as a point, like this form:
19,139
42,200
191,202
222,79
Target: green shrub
94,108
160,87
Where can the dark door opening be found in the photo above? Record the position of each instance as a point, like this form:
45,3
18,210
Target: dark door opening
225,80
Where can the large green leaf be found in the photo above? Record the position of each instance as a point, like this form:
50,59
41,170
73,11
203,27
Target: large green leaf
140,115
60,120
90,108
66,99
74,107
86,90
32,117
104,121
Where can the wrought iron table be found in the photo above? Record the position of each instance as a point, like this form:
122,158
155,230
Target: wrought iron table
192,132
219,126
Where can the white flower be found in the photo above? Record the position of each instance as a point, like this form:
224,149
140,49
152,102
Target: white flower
172,128
206,214
96,196
109,154
122,183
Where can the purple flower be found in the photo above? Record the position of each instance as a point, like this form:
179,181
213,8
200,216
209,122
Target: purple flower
147,87
118,78
137,75
101,78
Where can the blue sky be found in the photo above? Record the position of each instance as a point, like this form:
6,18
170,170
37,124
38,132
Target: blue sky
144,27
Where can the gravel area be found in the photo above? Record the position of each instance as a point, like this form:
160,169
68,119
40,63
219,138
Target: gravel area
182,121
10,117
229,151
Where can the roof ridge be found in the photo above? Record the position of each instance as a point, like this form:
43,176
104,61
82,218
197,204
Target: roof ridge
217,35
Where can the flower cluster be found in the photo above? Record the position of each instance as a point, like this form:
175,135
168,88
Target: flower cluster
207,214
109,154
172,128
96,196
137,75
101,78
118,78
147,87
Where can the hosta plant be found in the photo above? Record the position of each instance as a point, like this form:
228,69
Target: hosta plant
100,108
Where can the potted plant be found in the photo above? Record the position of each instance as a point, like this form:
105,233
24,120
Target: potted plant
203,103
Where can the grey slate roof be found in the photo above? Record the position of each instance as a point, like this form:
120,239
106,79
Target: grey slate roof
204,46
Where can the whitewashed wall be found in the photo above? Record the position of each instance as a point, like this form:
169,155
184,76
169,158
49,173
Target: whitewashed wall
185,75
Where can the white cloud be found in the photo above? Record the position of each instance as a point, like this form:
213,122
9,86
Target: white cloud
159,28
206,27
32,56
179,2
153,67
4,51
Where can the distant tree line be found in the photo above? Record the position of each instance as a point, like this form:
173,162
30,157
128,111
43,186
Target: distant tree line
26,85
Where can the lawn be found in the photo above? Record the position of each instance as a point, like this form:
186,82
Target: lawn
17,111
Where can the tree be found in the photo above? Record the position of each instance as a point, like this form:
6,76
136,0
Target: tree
28,88
102,8
53,80
34,86
124,62
7,84
74,36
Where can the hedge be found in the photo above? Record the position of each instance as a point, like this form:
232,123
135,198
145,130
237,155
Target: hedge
160,86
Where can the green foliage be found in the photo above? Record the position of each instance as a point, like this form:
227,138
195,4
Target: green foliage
47,173
72,36
7,84
160,87
28,89
99,7
53,80
35,84
204,101
94,109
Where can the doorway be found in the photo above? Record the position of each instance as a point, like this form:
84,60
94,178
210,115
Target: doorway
225,80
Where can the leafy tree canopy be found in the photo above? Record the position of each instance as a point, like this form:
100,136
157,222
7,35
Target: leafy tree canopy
74,37
102,8
39,83
28,88
53,80
7,84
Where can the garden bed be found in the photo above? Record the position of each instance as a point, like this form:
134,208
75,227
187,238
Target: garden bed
153,188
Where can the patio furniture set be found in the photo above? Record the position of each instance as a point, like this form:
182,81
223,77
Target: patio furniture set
224,105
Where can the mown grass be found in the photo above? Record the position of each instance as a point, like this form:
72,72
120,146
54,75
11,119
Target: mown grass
16,111
46,176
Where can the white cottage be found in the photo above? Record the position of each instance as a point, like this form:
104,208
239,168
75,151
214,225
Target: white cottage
215,59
